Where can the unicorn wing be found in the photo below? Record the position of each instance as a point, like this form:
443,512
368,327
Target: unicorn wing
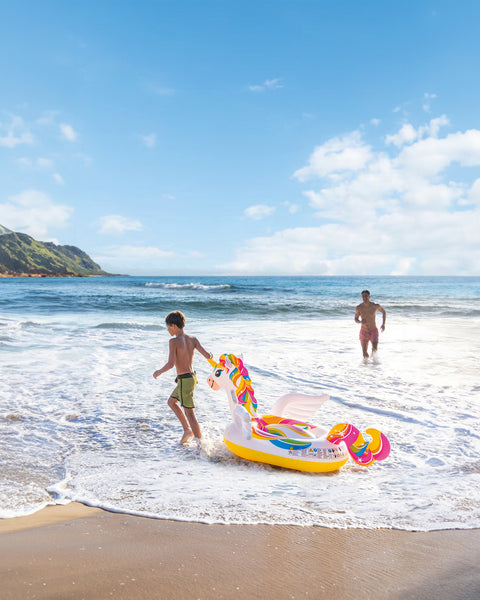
298,406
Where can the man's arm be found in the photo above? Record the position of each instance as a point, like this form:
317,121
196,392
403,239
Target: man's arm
357,315
171,360
384,315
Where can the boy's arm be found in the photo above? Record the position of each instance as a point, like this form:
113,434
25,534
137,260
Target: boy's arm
170,362
201,349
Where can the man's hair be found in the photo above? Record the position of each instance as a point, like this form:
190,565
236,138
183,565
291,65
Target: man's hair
365,292
175,318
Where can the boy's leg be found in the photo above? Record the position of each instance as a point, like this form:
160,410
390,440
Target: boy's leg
192,419
187,432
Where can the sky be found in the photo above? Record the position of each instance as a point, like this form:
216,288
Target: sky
241,137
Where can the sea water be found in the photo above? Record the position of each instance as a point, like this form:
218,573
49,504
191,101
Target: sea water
82,419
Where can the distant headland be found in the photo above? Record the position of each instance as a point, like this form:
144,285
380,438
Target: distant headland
23,256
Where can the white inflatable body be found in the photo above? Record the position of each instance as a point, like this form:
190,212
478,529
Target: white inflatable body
281,438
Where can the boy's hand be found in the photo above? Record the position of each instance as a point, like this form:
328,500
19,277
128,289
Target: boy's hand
156,374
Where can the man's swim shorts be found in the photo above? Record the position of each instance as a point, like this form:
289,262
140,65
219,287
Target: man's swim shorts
368,335
186,383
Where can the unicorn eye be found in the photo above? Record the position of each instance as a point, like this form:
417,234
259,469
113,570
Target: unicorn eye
218,372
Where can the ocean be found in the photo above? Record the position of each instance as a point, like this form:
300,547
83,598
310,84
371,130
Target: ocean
82,419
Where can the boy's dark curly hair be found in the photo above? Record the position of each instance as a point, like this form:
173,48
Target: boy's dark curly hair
175,318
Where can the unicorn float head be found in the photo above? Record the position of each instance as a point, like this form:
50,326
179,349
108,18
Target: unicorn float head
231,375
284,437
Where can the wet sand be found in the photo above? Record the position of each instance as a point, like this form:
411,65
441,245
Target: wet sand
77,552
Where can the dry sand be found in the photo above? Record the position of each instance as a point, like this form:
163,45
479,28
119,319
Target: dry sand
76,552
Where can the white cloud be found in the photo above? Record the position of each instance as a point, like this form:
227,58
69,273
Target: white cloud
474,194
15,133
58,178
382,213
427,101
292,208
430,156
33,212
331,249
125,259
38,163
115,224
425,244
433,128
408,134
149,140
68,132
259,211
348,153
268,84
134,253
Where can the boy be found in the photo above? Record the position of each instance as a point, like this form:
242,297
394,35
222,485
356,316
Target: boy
181,350
365,314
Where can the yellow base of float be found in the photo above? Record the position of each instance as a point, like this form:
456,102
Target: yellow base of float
283,461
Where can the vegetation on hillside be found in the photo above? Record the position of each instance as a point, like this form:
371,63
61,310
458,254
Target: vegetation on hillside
20,253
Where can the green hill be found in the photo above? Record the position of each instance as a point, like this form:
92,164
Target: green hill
20,253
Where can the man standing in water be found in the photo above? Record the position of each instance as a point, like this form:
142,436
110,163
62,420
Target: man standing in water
365,314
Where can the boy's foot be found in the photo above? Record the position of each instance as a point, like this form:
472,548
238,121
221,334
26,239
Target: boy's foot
186,436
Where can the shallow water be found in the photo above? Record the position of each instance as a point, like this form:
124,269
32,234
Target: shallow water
81,417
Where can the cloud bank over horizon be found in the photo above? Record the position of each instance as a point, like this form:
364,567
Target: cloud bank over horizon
409,207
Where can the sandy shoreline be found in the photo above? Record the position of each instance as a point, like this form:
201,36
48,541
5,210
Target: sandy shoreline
76,552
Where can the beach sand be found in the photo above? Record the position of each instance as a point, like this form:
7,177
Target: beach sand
77,552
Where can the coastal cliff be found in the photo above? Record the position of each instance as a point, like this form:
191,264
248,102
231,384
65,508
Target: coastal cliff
22,255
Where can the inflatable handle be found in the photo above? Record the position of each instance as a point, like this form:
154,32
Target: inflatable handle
212,362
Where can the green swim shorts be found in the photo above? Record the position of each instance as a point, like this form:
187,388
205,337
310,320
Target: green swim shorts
186,383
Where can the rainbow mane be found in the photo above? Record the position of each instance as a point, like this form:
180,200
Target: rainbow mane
241,381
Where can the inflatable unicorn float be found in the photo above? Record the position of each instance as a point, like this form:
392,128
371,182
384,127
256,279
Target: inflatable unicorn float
284,438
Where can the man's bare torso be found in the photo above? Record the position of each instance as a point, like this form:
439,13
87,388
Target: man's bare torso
366,312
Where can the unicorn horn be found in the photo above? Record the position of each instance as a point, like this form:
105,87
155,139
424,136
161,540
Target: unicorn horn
212,362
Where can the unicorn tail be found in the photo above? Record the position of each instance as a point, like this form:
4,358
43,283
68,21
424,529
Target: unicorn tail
363,453
380,446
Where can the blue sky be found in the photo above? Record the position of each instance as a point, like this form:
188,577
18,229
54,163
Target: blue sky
186,137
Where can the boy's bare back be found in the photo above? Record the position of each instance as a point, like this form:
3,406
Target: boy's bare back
182,348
